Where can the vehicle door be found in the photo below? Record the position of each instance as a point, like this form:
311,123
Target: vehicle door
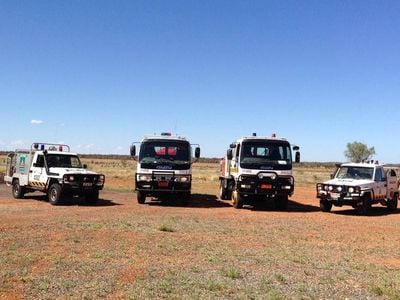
37,173
380,183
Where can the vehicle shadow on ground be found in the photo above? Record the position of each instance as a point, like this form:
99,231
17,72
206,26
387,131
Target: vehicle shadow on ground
72,201
293,206
374,212
196,201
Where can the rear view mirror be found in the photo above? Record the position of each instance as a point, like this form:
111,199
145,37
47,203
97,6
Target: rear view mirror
133,150
297,157
197,152
296,148
229,154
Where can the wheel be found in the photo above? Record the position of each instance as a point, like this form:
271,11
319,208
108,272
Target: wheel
17,190
223,192
325,206
281,202
237,200
364,207
141,197
54,194
92,197
392,203
185,199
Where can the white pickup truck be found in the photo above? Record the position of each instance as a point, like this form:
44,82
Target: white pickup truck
359,185
51,169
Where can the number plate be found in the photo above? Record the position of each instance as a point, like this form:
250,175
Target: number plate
335,196
87,184
163,184
266,186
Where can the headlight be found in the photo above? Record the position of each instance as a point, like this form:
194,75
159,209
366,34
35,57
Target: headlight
144,177
69,178
101,179
182,179
319,187
339,189
330,188
351,189
325,187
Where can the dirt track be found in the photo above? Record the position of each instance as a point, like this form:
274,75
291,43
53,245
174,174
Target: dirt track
302,253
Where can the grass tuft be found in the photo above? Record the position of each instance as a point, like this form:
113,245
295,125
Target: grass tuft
166,228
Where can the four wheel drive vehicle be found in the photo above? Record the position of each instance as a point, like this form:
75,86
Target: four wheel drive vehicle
164,167
51,169
359,185
258,169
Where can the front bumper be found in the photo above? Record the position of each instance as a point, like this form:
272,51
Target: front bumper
163,183
82,183
267,186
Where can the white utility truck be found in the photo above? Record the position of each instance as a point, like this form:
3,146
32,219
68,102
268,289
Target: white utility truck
256,169
359,185
164,167
51,169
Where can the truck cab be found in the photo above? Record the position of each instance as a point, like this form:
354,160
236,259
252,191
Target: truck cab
256,169
359,185
164,167
52,169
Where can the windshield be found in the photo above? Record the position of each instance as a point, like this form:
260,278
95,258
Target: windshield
349,172
63,161
165,152
266,155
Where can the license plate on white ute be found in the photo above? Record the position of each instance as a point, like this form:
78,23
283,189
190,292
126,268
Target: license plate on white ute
335,196
86,184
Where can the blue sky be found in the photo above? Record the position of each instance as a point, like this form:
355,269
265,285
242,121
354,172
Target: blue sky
98,75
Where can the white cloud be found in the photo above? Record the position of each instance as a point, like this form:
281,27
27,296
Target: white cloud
36,122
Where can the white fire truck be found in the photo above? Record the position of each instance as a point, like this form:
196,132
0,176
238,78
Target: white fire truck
51,169
256,169
164,167
359,185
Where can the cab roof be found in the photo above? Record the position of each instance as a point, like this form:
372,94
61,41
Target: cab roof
164,137
362,164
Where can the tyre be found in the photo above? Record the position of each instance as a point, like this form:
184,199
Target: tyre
185,199
281,202
325,206
141,197
92,197
17,190
237,200
392,203
223,192
364,207
54,194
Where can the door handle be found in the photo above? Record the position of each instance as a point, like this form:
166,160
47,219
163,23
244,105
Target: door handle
30,171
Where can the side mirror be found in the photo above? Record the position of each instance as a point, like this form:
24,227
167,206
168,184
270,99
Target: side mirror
229,154
297,157
332,176
197,152
296,148
232,146
133,150
85,166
